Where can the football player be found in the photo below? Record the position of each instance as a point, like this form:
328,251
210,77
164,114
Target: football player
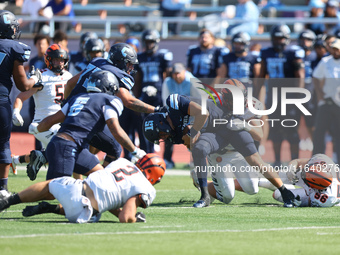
82,117
12,56
279,63
120,63
93,48
314,191
240,63
120,188
154,66
47,101
229,163
77,58
203,138
203,60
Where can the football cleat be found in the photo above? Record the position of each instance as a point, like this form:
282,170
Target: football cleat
37,159
4,203
13,166
4,194
140,217
202,203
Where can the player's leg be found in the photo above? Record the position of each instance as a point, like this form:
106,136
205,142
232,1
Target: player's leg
61,155
246,177
205,145
36,192
5,152
105,142
68,192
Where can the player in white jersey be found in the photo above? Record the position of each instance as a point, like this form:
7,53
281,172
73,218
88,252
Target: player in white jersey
119,188
47,100
313,191
229,163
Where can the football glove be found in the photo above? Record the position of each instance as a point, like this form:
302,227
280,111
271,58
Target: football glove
288,198
33,128
140,217
35,74
137,154
17,118
151,91
161,108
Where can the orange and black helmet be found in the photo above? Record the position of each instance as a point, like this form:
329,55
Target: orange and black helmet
56,51
152,166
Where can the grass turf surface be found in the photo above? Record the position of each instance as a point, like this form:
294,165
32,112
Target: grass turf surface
249,225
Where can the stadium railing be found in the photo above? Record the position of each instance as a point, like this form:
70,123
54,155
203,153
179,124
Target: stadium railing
105,26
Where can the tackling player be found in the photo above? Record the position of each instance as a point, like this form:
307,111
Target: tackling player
47,101
12,56
120,188
229,163
82,117
204,139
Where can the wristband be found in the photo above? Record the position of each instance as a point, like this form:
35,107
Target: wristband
16,110
193,132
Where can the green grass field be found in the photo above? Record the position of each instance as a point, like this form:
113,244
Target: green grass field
249,225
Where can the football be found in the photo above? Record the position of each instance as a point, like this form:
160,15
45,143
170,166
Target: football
315,177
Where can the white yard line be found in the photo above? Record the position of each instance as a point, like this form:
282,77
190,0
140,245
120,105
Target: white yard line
171,232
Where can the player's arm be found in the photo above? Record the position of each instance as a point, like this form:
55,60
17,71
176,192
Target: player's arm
299,72
256,132
134,103
298,163
259,82
195,109
48,122
71,83
119,134
20,78
129,210
23,96
222,72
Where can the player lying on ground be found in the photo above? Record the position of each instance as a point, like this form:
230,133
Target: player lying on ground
318,178
204,139
119,188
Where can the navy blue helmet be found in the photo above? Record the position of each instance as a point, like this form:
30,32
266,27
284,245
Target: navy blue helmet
308,35
280,31
121,54
155,123
240,37
84,37
9,25
150,40
93,45
102,82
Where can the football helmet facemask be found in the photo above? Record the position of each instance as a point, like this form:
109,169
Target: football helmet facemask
9,25
93,45
307,35
56,51
280,37
150,41
243,38
155,126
